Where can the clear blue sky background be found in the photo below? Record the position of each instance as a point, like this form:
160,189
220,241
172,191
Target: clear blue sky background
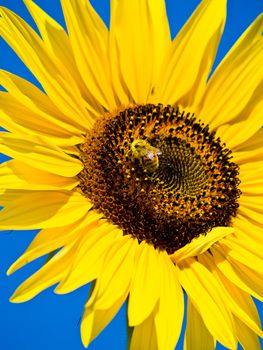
50,321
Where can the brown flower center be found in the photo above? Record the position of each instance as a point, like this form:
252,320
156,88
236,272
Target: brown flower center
159,174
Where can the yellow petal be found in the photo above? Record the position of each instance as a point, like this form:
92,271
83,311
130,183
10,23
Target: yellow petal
238,132
197,335
139,36
145,285
169,315
18,175
235,80
48,275
116,274
248,156
252,278
57,42
51,239
247,338
243,252
144,336
248,230
35,210
204,292
39,153
201,244
57,83
188,63
29,98
239,302
20,120
253,144
94,321
251,177
236,276
250,151
88,34
111,288
89,258
252,207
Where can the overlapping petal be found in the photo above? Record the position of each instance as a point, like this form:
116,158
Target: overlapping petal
201,244
89,257
18,175
38,108
40,153
187,65
145,285
170,313
51,273
111,288
51,239
139,39
57,83
197,335
232,86
206,295
90,49
86,72
27,210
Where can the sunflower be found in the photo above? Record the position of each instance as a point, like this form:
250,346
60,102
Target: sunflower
142,172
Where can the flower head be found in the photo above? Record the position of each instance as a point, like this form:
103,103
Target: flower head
142,173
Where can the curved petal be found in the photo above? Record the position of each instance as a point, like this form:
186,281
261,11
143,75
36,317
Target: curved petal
145,285
237,133
247,338
253,144
139,37
36,102
37,152
252,207
50,239
18,175
88,37
28,210
240,303
242,252
48,275
19,120
94,321
206,295
89,258
144,335
169,315
57,42
201,244
248,230
116,273
251,177
188,63
111,288
248,156
57,83
231,272
232,85
197,335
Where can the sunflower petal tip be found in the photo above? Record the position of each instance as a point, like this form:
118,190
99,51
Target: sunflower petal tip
61,289
10,271
14,267
15,299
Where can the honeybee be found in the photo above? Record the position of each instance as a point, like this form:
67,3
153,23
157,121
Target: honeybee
146,154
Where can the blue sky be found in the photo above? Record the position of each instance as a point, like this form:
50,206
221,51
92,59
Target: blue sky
50,321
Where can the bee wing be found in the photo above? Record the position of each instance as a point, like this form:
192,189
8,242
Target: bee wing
150,155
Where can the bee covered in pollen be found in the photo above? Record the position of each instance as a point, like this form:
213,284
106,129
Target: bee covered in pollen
147,155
